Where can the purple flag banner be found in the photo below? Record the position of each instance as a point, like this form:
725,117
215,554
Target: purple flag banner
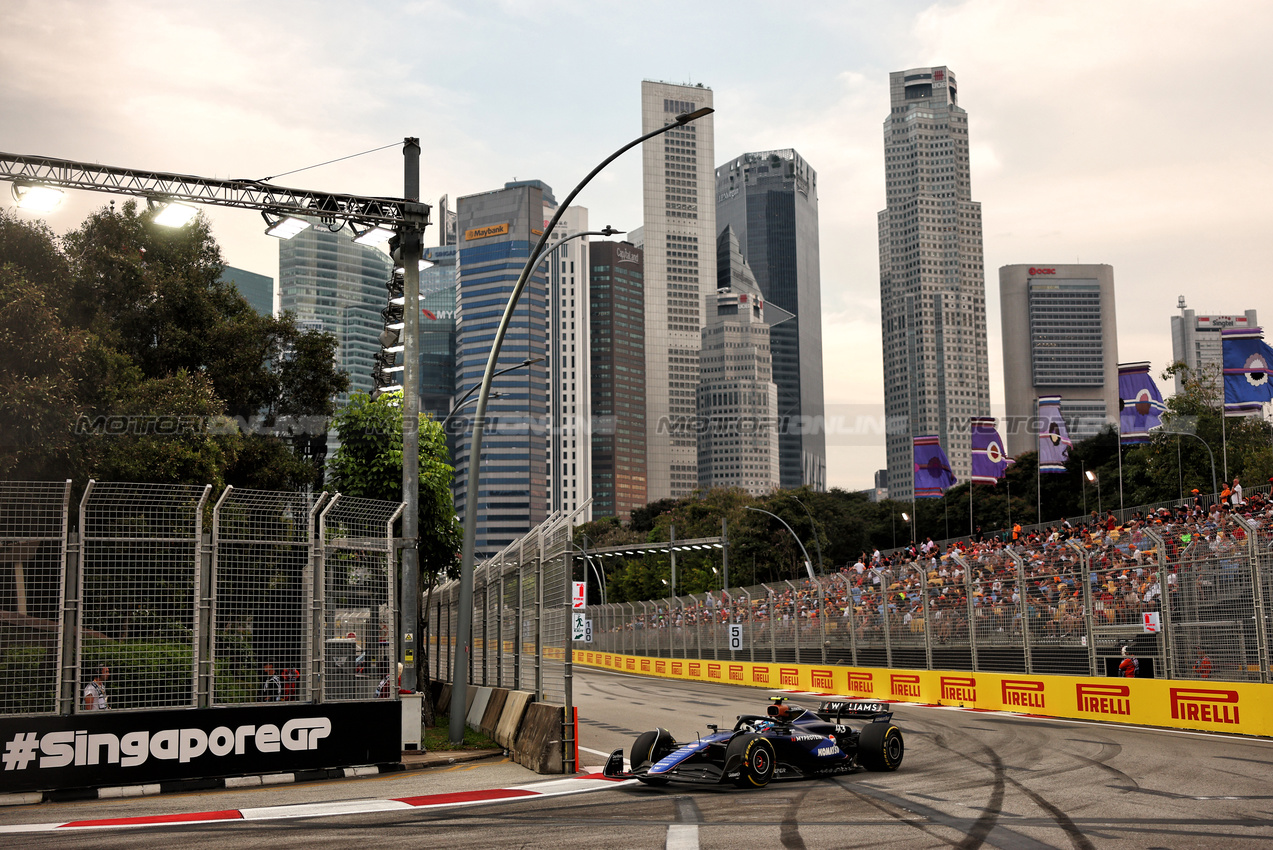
1247,361
932,469
1140,404
1054,440
989,463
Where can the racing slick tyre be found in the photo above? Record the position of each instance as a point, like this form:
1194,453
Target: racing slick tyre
880,746
651,748
758,762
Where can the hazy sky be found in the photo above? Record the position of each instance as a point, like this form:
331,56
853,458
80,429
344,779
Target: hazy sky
1130,133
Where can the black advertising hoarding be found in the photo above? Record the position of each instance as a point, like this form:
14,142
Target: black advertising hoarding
109,748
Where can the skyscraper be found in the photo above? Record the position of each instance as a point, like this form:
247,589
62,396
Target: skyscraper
770,199
932,281
1060,338
569,451
496,231
437,331
679,239
1195,339
737,397
258,289
326,277
617,330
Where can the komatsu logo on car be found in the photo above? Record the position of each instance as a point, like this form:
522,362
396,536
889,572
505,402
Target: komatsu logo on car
73,747
832,750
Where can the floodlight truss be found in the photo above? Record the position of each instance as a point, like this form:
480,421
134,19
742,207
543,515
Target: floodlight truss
392,213
632,550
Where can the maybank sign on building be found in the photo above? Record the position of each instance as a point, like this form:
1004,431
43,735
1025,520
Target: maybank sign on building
486,232
1236,707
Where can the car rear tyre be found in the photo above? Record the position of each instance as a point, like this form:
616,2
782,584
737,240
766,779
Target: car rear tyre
757,761
880,746
651,747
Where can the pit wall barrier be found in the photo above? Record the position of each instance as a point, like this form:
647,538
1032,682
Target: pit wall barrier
1233,707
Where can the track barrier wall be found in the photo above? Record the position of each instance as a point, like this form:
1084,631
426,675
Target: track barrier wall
1233,707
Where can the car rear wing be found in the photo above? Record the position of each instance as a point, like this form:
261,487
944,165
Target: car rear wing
834,711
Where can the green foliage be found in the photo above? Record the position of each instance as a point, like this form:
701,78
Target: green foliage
368,464
128,319
143,674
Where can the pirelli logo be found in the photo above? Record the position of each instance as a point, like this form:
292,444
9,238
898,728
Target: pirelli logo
1204,705
660,666
824,679
903,685
713,671
760,675
1023,693
632,664
735,672
696,669
861,683
788,676
645,665
677,668
486,232
1110,700
961,688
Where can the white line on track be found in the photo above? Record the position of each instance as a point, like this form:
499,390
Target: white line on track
682,836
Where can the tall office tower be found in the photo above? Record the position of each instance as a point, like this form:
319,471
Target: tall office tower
496,233
326,277
447,233
569,453
932,282
679,237
737,396
770,199
1060,338
1195,340
617,305
258,289
437,332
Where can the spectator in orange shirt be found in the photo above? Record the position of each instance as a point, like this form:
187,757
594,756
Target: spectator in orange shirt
1202,666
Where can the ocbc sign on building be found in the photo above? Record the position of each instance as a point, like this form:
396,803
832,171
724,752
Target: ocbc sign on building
1035,272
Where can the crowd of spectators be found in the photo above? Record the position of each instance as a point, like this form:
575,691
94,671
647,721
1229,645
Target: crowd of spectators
1004,583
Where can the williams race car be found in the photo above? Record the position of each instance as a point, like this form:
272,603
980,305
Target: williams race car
789,742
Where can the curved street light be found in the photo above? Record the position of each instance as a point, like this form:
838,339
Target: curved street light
816,540
464,605
808,565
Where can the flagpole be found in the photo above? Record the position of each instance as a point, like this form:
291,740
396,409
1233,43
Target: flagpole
1120,466
914,513
1224,439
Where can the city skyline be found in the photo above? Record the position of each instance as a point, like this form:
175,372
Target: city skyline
1066,171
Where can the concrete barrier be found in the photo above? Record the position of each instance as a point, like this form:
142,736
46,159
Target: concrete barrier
539,740
494,709
477,707
510,720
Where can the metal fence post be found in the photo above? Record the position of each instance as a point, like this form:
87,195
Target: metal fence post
1023,612
969,609
1085,570
1257,586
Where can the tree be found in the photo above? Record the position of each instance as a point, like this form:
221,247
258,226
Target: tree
125,327
368,464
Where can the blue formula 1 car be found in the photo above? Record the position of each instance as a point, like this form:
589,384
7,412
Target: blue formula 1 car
789,742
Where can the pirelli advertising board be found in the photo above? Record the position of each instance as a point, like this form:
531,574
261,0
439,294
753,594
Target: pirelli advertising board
1237,707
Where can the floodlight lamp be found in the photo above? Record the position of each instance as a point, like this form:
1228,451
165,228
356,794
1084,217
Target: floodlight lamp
395,349
373,235
394,368
1091,476
283,227
36,197
395,326
906,517
391,388
400,269
175,215
389,338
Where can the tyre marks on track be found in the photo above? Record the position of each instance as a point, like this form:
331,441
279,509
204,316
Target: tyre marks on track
789,831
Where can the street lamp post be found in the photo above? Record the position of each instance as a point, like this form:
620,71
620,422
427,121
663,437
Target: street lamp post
1091,476
813,527
464,613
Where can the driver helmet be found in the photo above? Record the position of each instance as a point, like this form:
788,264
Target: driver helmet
762,725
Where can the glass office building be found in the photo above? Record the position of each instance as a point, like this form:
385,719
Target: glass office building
770,200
